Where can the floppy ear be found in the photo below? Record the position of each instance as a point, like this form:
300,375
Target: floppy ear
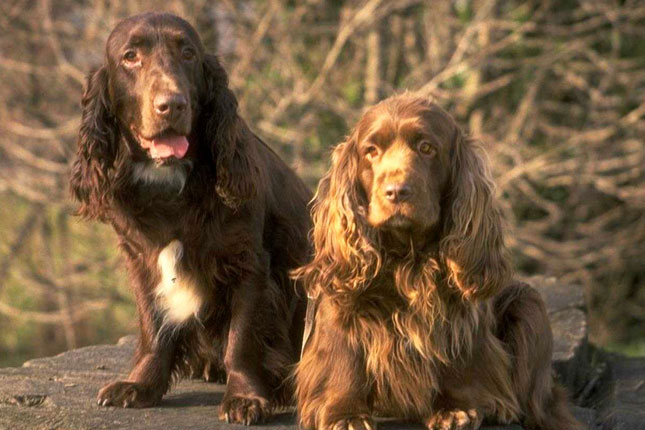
345,255
97,148
230,139
472,246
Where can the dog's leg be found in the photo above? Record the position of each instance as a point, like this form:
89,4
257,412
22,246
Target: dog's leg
155,356
331,380
456,406
247,399
523,325
206,363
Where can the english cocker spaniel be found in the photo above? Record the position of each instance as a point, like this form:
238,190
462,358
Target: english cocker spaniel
209,220
417,316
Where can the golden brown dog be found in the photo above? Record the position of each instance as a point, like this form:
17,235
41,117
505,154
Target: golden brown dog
417,316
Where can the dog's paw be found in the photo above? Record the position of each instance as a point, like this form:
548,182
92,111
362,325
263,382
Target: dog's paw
245,410
127,395
358,422
213,373
208,372
454,420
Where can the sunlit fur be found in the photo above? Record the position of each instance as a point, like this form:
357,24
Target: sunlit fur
415,329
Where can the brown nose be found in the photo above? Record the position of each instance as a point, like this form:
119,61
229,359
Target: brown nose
396,193
170,104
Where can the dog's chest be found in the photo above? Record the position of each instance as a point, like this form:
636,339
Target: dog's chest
405,372
406,348
179,294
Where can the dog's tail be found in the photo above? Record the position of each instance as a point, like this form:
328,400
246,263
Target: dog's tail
553,413
524,327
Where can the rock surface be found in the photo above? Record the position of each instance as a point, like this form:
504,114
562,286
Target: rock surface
624,407
60,392
571,351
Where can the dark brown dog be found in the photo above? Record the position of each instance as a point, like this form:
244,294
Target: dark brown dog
417,315
209,219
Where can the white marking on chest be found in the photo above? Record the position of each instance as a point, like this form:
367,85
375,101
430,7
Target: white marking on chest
178,294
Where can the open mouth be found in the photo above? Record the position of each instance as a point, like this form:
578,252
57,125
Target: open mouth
165,145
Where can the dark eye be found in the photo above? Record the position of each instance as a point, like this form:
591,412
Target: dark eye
130,56
425,148
188,54
371,151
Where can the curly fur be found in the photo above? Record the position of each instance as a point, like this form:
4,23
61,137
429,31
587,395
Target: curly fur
223,305
429,328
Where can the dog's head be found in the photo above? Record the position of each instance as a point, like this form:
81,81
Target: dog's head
154,65
156,106
403,149
407,180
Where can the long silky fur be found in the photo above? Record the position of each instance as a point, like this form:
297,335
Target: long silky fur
408,320
97,148
227,209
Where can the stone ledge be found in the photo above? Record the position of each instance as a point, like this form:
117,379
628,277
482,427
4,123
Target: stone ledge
572,354
60,392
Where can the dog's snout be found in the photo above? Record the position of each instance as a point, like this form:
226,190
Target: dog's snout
170,104
396,193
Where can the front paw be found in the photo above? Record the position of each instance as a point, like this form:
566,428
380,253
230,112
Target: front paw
358,422
128,395
245,410
455,419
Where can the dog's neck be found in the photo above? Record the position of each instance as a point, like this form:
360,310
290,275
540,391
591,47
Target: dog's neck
408,244
152,177
163,179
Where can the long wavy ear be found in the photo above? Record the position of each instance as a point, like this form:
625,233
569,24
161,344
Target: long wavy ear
96,149
345,255
472,246
231,141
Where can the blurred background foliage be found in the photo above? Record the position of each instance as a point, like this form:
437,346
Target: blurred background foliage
554,88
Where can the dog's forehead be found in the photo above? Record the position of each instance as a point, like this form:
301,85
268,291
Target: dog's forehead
155,26
406,116
376,127
440,123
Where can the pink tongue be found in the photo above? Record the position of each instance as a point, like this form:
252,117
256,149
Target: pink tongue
164,147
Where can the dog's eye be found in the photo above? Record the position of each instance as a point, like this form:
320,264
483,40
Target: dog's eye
130,56
371,152
188,54
425,148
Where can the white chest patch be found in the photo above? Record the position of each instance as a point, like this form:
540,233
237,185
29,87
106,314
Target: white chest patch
178,295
